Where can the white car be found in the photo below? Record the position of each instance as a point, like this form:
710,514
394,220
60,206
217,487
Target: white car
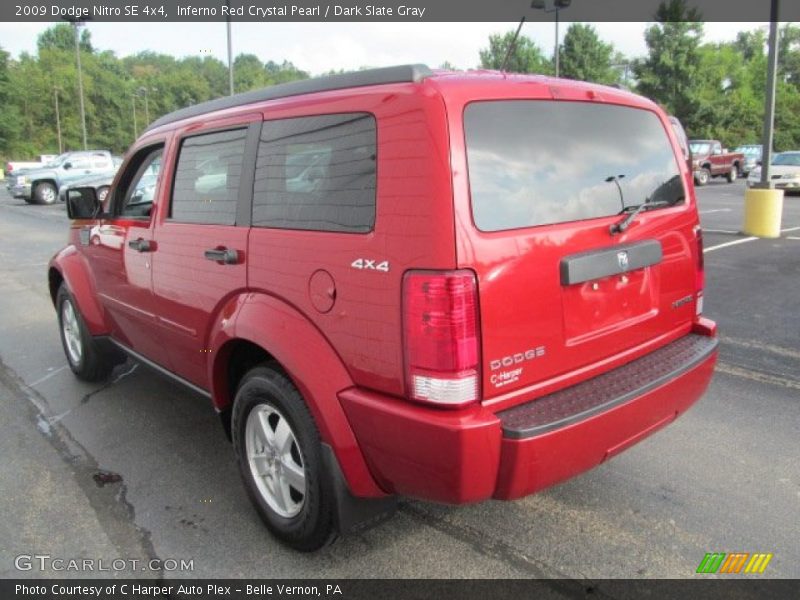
784,172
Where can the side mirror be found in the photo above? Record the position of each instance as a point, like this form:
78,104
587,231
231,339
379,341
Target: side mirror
67,165
82,203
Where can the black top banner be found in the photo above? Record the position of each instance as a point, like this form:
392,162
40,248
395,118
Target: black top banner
388,10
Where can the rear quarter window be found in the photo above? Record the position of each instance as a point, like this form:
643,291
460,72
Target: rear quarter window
539,162
317,173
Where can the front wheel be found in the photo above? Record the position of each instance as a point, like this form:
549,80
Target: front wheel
45,193
279,453
83,355
702,177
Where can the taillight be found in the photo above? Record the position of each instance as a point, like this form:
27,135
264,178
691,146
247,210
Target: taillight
440,327
700,273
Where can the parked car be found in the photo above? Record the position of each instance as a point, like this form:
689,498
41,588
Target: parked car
784,172
41,185
752,157
17,167
710,159
101,182
489,288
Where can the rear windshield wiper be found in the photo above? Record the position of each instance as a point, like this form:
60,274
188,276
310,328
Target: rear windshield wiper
633,211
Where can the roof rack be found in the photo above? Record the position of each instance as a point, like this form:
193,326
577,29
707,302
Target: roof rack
398,74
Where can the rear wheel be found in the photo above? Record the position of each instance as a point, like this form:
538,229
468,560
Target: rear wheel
45,193
733,174
702,177
102,192
279,452
83,355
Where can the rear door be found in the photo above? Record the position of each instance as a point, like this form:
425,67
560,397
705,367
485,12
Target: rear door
202,237
561,295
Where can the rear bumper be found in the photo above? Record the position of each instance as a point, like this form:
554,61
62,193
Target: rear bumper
473,454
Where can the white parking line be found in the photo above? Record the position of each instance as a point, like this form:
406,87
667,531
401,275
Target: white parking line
726,244
714,210
743,240
48,376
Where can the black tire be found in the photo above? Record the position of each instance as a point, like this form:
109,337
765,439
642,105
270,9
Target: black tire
733,174
702,177
267,388
45,193
28,200
91,364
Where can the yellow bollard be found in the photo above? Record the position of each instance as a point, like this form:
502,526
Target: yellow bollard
762,212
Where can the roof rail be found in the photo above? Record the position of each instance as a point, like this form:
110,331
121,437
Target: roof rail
398,74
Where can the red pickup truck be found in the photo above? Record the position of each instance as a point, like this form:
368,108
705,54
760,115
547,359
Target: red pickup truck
710,159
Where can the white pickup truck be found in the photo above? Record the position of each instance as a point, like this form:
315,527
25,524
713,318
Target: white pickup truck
17,165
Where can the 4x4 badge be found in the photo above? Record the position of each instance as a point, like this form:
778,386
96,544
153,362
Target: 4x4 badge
622,259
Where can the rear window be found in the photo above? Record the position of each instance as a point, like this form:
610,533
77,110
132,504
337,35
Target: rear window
537,162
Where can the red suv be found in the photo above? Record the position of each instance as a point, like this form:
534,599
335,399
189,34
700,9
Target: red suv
449,286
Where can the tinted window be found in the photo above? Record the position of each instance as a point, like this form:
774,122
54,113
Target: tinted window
206,187
316,173
540,162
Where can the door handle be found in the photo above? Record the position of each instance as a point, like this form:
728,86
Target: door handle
227,256
141,245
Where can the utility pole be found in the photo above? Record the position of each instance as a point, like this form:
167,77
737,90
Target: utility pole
143,90
557,6
77,25
58,120
230,51
769,104
763,204
135,126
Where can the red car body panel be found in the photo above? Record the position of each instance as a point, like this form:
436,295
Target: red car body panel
186,313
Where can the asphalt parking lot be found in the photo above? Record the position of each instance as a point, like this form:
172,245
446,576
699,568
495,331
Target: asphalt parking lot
725,477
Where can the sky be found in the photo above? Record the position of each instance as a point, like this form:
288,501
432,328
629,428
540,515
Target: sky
320,47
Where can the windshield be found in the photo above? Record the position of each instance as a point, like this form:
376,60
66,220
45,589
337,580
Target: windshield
700,148
535,162
749,150
790,159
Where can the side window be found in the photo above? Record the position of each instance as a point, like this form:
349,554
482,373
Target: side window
317,173
139,184
717,149
207,175
81,163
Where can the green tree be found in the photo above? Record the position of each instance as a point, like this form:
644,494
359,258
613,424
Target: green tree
62,37
584,56
669,73
9,115
526,57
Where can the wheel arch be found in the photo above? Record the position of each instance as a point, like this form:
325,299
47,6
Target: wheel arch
260,328
69,267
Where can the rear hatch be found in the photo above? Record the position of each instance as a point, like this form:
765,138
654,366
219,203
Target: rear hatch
562,297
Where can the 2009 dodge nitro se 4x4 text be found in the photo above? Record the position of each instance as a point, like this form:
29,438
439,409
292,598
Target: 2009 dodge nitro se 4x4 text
450,286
